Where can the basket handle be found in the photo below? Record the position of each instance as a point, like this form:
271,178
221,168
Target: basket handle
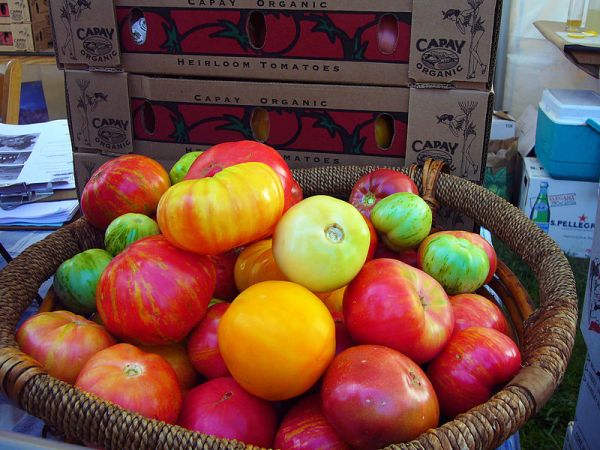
430,174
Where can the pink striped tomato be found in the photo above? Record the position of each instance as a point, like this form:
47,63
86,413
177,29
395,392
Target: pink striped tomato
154,293
129,183
135,380
62,342
237,205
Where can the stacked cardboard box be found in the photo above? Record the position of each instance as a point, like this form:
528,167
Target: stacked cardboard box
320,81
25,26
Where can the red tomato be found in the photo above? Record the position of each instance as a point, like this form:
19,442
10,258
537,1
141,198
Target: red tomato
374,240
391,303
62,342
141,382
238,205
375,396
256,264
472,310
177,357
220,407
304,427
225,288
343,340
474,364
203,347
479,241
297,193
154,293
380,183
228,154
407,256
129,183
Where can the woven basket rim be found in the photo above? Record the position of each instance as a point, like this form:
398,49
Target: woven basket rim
29,386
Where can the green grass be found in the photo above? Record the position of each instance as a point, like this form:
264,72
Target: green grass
547,429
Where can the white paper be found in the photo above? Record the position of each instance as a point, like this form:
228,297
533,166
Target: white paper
526,128
37,153
40,213
589,41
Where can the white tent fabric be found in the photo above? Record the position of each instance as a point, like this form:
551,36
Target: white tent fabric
533,63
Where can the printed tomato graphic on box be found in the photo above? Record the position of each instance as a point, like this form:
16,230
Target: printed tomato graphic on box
342,36
291,129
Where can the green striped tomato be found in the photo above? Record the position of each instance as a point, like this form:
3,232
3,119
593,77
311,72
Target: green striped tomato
127,229
62,342
212,215
129,183
154,293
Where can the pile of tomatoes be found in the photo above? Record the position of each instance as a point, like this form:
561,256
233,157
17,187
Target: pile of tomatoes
226,303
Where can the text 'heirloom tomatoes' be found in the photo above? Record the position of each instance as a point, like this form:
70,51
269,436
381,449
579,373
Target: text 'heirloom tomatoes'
237,205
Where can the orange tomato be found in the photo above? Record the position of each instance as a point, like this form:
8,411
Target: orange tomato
277,338
177,357
212,215
256,264
334,300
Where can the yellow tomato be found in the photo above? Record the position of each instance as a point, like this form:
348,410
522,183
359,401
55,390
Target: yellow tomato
238,205
277,338
256,264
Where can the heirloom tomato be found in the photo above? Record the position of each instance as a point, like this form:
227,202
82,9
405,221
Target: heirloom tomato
393,304
128,183
127,229
177,357
474,364
403,220
473,310
378,184
220,407
229,154
76,279
237,205
334,300
321,243
182,166
277,338
458,264
62,342
374,396
203,346
305,427
154,293
225,268
135,380
256,264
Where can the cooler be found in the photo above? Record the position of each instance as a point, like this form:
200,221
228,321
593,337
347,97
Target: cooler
568,134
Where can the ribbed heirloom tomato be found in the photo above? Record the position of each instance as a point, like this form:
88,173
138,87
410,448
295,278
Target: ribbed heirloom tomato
237,205
277,338
256,264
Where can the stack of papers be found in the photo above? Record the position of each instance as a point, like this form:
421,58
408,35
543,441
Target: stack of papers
36,161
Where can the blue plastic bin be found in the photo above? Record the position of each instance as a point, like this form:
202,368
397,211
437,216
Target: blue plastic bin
568,134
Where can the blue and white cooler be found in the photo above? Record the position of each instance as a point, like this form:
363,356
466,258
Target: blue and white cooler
568,134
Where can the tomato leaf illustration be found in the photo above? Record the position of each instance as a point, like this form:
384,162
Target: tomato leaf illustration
230,30
180,134
324,120
173,42
236,124
325,25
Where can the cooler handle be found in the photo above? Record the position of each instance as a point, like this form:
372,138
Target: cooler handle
594,124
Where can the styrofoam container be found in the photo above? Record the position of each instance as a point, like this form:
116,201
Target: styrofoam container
568,134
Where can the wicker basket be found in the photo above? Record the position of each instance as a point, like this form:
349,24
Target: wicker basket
546,335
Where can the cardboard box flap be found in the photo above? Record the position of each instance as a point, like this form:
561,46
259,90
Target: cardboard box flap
99,111
452,126
85,33
453,40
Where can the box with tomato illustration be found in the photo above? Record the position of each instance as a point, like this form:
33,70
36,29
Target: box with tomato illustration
382,42
23,11
309,124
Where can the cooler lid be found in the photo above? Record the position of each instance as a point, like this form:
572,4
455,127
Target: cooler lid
570,106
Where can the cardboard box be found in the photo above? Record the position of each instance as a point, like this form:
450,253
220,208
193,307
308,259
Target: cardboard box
571,205
590,313
586,433
23,11
380,42
25,37
309,124
504,127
